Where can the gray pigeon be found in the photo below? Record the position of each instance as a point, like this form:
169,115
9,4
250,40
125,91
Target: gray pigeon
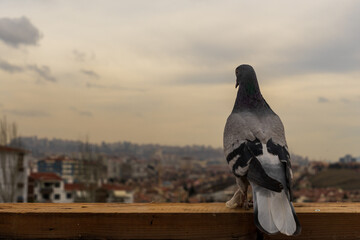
257,154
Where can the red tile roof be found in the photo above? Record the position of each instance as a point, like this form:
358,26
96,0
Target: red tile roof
57,158
12,149
74,186
45,176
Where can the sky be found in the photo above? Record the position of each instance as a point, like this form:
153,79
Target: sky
162,71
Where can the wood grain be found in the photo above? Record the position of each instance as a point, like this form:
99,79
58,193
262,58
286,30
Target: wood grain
166,221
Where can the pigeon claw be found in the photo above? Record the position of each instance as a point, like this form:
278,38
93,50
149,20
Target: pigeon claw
237,200
231,204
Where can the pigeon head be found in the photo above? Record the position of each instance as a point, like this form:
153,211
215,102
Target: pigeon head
249,95
246,78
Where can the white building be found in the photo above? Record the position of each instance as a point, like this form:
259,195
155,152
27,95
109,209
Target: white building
120,196
118,193
114,167
13,174
48,187
77,191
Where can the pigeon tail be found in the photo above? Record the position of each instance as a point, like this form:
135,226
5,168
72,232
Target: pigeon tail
274,212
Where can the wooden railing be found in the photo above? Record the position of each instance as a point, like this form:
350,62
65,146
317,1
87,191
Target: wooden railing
166,221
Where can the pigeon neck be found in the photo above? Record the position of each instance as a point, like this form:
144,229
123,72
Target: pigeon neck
249,99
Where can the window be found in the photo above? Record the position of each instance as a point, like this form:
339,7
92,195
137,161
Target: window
20,185
57,184
46,196
57,197
47,184
20,163
69,195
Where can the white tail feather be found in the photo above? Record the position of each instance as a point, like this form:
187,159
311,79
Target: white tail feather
281,213
274,211
263,203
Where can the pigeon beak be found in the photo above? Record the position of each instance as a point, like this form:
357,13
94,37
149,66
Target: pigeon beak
237,84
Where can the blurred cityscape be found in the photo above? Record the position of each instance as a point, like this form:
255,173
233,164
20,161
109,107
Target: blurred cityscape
62,171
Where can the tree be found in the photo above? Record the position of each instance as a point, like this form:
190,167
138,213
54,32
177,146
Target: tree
8,134
10,161
90,170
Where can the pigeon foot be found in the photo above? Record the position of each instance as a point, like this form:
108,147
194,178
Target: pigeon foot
231,204
247,205
236,200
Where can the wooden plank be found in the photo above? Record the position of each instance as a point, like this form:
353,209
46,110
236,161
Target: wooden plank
327,221
123,221
166,221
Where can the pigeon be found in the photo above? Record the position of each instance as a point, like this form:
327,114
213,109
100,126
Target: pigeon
257,154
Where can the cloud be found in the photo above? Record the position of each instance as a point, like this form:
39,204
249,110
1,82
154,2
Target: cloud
82,56
91,85
10,68
26,113
323,100
340,100
43,72
113,87
90,73
81,112
79,56
345,100
327,45
207,77
18,31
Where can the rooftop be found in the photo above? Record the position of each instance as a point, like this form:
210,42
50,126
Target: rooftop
12,149
43,176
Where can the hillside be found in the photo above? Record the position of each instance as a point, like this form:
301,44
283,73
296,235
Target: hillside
348,179
40,147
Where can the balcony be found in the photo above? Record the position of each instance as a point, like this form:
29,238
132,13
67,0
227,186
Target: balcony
166,221
46,190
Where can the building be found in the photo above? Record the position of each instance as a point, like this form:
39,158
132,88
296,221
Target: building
118,193
114,168
48,187
13,174
347,159
120,169
62,165
121,196
78,192
139,168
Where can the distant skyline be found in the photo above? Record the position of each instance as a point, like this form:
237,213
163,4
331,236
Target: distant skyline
163,71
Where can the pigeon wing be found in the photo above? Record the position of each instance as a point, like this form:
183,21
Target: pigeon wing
276,146
236,134
242,146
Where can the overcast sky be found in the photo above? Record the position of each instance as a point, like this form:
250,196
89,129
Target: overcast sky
163,71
